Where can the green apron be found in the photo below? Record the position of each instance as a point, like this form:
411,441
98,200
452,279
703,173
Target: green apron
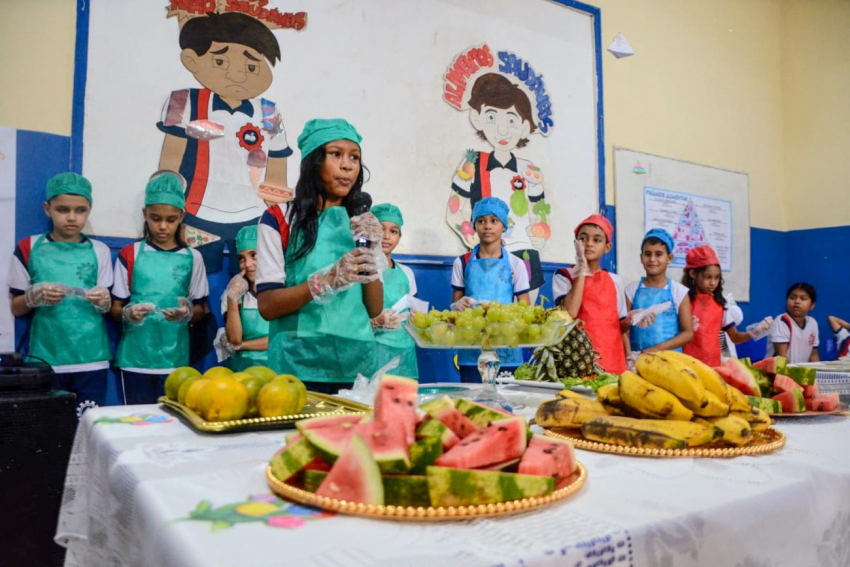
159,278
72,331
253,327
324,342
396,342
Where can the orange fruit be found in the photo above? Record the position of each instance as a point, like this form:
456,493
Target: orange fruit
218,371
224,399
176,379
193,394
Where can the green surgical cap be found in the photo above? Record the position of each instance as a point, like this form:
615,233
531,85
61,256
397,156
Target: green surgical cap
320,131
246,239
166,189
388,212
69,183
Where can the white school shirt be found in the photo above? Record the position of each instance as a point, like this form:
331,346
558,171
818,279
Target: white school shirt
229,194
198,286
19,281
410,278
800,341
561,286
519,275
679,292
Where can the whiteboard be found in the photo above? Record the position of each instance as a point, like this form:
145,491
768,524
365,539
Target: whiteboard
378,64
714,202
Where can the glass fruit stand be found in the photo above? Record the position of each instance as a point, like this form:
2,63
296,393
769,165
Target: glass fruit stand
511,326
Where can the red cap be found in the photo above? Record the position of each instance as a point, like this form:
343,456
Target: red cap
700,257
599,221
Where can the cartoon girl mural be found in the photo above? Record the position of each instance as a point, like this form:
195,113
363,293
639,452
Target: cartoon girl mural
501,111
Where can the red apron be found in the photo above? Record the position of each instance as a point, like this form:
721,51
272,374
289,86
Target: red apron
602,321
706,343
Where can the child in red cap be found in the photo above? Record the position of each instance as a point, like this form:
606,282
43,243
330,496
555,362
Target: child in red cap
704,281
594,295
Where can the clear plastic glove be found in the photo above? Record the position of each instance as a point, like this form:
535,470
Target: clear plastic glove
135,313
388,320
695,320
182,314
227,346
642,319
357,266
632,360
760,329
99,297
581,266
462,304
367,226
44,294
237,288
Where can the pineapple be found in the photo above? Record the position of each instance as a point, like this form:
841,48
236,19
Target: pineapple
573,357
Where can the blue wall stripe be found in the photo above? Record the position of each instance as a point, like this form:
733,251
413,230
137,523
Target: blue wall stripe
78,109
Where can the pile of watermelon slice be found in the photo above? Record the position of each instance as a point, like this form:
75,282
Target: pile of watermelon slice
775,387
446,453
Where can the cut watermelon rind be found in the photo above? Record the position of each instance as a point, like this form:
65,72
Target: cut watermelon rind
355,476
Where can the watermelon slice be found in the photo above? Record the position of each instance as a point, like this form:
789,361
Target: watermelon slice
801,375
782,383
736,374
423,453
408,490
291,459
498,442
548,457
480,414
443,409
435,428
395,403
329,442
762,379
792,402
823,402
766,404
331,421
772,365
387,443
810,391
355,476
293,437
507,466
457,487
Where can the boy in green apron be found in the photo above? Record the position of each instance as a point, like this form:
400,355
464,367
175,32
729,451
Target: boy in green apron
63,279
246,332
316,289
160,287
399,284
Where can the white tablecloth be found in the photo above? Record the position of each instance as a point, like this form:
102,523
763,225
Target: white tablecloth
143,488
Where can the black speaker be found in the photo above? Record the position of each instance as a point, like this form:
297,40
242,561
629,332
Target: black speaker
36,434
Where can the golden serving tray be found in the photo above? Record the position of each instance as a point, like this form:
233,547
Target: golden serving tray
766,442
318,405
429,514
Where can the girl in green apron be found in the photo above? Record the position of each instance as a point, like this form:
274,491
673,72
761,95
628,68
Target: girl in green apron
160,287
63,279
315,288
246,331
399,285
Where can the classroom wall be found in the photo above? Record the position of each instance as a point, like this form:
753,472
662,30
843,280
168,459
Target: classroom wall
37,56
816,111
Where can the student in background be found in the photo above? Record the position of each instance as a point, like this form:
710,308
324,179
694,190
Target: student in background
841,328
673,327
594,295
63,278
794,334
160,287
488,273
247,333
399,284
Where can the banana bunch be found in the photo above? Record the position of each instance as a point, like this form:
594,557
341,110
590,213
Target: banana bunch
673,401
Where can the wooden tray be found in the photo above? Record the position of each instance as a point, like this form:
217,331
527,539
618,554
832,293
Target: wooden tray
318,405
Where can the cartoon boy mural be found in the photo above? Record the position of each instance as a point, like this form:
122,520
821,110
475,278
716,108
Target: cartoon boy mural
502,114
227,142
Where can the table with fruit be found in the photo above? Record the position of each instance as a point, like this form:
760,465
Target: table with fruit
146,488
